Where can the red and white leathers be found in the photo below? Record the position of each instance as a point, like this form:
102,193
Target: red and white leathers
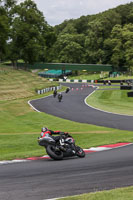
50,132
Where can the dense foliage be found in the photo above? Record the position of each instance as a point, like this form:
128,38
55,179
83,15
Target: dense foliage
25,33
105,38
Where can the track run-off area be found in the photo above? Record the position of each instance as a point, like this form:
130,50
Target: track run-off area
47,179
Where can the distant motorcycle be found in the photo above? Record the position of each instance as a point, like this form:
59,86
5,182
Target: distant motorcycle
60,97
67,90
54,93
64,148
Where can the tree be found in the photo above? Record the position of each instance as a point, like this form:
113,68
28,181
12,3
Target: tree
117,58
94,42
28,32
72,53
5,7
128,44
68,48
4,31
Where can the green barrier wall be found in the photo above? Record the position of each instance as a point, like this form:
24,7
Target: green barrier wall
69,66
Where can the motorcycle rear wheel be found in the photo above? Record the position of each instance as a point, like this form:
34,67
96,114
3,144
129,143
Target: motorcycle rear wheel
80,152
53,153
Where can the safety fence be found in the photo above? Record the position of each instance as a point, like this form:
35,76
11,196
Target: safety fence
72,81
42,91
91,81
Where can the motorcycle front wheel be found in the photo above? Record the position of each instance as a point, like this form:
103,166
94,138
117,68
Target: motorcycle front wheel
53,153
80,152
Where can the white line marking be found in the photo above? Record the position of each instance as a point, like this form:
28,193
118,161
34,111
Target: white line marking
35,100
12,161
99,148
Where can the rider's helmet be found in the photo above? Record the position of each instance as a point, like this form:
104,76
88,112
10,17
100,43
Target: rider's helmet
44,129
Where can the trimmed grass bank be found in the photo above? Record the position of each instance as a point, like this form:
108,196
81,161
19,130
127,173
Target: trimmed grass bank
115,194
96,76
115,101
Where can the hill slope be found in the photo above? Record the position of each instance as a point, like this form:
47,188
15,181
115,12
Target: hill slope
15,84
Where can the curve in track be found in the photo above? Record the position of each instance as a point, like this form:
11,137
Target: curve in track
74,108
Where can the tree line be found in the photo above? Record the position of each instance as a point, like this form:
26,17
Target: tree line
24,32
104,38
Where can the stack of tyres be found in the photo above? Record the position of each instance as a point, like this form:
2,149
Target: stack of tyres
125,87
130,94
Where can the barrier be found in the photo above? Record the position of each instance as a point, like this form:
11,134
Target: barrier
91,81
130,94
42,91
125,87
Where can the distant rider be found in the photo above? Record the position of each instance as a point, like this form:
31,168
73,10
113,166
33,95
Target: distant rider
54,93
60,97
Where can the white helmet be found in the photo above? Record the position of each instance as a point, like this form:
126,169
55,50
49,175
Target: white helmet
44,129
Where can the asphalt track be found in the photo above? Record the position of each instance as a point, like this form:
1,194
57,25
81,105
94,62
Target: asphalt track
74,108
45,179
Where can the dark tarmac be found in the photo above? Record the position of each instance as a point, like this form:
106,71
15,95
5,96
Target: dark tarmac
74,108
46,179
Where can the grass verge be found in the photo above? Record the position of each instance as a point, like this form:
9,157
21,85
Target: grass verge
22,145
115,101
115,194
96,76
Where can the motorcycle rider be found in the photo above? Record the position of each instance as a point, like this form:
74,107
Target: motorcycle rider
54,93
47,132
60,96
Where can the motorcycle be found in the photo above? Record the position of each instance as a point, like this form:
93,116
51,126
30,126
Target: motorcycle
54,93
65,147
60,97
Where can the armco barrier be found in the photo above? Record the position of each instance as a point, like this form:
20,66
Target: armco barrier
126,87
91,81
73,81
130,94
49,89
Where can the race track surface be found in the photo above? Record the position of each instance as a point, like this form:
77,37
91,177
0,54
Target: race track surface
45,179
74,108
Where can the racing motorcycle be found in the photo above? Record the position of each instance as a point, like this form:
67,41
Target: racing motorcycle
60,97
65,147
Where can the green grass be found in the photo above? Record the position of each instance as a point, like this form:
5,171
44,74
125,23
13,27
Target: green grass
121,77
85,77
16,84
115,101
96,76
115,194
